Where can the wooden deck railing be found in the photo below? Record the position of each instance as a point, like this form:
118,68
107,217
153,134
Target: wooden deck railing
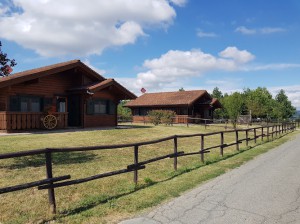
50,182
28,120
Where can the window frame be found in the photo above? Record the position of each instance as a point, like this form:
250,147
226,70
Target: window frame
110,106
15,103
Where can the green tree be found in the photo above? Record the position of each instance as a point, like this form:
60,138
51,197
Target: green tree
216,93
181,89
6,64
233,105
124,113
220,112
259,102
283,108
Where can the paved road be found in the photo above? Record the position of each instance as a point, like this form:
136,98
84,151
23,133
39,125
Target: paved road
265,190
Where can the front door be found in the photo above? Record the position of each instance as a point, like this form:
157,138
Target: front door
74,109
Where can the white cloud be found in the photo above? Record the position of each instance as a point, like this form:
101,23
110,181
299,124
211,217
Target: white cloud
239,56
65,27
264,30
201,33
268,30
102,72
175,68
179,2
244,30
279,66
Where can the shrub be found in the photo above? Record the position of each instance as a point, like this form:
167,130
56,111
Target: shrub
155,116
167,117
161,116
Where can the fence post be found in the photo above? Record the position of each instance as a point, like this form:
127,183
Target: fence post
254,130
247,141
279,129
136,160
268,132
222,143
202,148
175,152
272,132
51,193
237,140
262,134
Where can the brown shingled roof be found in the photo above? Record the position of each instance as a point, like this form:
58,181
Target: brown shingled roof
103,84
47,70
167,98
216,103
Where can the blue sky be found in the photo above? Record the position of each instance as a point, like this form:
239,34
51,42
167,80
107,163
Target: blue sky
162,45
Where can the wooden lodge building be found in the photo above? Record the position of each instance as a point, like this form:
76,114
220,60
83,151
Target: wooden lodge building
68,94
186,104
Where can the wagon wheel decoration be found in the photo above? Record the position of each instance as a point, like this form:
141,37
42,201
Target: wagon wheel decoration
50,121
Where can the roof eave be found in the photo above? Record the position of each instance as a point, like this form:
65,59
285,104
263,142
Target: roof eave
12,80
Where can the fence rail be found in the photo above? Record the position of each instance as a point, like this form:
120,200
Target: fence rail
51,182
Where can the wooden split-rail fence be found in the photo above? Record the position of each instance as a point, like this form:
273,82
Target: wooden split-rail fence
50,182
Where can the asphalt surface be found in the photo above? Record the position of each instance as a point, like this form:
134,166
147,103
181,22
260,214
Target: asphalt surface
264,190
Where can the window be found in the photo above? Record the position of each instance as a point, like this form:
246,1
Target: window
100,106
25,103
141,111
61,103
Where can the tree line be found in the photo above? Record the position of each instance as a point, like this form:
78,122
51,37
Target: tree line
259,103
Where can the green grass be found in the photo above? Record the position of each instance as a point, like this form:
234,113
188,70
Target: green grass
111,199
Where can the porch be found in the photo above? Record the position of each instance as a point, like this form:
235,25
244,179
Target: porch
10,121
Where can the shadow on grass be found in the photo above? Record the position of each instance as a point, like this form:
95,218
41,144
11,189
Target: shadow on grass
94,201
131,126
91,202
57,158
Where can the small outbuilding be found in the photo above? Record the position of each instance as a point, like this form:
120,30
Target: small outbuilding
68,94
186,104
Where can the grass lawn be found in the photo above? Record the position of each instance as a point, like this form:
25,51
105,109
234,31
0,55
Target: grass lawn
110,199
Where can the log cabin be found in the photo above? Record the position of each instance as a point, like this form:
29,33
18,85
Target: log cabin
63,95
188,105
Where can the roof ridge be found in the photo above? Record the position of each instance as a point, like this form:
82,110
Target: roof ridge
177,91
49,66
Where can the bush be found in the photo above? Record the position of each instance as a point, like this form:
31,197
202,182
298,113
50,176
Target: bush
167,117
155,116
161,116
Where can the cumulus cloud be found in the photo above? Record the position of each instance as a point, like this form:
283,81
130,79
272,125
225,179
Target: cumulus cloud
54,28
237,55
265,30
175,67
